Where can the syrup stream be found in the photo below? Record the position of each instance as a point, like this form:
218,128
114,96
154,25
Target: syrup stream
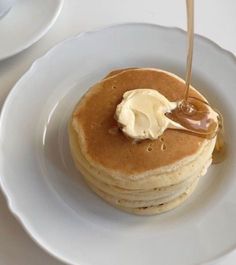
190,30
192,113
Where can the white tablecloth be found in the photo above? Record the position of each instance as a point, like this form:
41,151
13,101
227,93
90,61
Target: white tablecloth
215,19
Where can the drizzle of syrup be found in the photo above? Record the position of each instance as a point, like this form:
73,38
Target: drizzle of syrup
196,117
194,114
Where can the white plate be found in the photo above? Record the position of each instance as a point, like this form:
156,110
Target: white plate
26,23
50,198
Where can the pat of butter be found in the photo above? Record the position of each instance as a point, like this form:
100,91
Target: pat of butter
141,114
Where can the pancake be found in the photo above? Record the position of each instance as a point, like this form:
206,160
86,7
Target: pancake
146,186
151,209
133,175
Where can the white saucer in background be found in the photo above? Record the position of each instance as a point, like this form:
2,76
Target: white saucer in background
26,23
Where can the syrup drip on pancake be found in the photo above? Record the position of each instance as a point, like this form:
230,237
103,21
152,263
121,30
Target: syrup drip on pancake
195,114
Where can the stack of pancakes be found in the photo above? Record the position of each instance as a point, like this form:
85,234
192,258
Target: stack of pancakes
146,177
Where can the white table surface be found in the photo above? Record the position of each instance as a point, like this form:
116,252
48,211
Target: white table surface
215,19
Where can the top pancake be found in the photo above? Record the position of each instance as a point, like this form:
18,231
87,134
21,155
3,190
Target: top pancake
108,148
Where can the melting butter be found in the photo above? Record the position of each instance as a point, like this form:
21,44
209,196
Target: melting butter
141,114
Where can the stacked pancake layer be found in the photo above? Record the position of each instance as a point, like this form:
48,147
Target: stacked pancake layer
144,178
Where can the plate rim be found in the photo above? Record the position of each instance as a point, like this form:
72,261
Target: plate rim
56,13
3,186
